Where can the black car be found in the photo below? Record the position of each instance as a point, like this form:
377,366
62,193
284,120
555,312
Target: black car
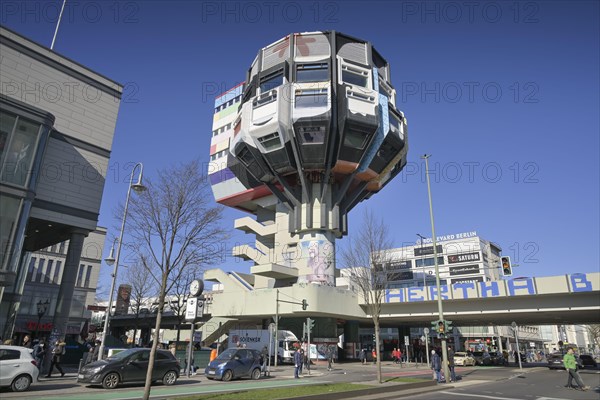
496,358
588,361
555,361
130,366
482,358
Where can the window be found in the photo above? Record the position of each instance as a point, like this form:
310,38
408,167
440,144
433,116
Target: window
80,275
355,76
7,123
312,134
39,270
48,272
312,72
310,98
270,142
386,151
6,354
428,262
271,81
355,139
56,272
61,249
263,100
88,275
245,156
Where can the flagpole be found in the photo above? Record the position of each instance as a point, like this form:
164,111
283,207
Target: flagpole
58,24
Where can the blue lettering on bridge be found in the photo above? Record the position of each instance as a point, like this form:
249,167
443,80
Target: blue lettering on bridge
472,290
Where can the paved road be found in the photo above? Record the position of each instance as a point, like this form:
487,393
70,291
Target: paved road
472,378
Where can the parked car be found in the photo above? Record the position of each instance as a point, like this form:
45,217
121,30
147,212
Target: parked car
482,358
555,361
234,363
462,358
588,361
130,366
496,358
18,369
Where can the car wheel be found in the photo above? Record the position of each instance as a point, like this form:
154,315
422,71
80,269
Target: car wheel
21,383
170,378
227,375
110,381
255,374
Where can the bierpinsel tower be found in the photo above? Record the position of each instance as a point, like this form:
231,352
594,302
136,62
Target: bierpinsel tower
313,131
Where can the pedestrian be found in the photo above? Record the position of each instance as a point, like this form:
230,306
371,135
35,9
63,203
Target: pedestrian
329,358
89,349
571,366
374,354
400,357
95,351
57,352
297,363
173,348
264,354
451,364
213,355
38,353
362,355
436,365
302,361
27,342
395,356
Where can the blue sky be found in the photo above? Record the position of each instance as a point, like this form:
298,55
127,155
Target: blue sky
504,95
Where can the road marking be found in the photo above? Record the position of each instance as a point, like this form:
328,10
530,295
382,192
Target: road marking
480,396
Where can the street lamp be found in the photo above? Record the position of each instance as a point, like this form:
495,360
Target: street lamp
110,260
41,311
437,271
422,237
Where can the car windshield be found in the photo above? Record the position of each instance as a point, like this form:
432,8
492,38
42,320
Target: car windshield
226,355
123,354
460,354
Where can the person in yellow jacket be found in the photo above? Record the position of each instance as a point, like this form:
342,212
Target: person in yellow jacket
571,367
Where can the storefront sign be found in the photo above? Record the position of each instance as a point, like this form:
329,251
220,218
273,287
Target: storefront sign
395,265
468,280
424,251
465,257
464,270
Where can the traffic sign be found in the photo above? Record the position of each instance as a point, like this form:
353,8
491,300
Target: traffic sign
191,310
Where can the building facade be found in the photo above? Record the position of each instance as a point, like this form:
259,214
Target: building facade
42,283
57,124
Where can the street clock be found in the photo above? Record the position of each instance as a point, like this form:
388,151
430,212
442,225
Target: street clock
196,287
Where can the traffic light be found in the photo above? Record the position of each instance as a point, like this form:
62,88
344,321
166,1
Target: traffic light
434,326
310,323
506,267
449,326
441,328
304,304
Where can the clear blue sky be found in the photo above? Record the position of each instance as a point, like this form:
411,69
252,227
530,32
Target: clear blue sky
504,95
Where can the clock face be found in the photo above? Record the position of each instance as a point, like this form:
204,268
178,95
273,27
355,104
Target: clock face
194,287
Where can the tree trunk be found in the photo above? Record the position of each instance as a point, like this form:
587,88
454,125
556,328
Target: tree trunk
161,304
377,350
178,330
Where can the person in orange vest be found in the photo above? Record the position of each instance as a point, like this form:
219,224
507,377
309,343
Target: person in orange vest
213,354
374,354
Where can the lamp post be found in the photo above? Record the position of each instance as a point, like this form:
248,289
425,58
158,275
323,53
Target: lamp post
110,260
437,271
422,237
41,311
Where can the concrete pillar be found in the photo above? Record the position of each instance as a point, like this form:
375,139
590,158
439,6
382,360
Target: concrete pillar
65,292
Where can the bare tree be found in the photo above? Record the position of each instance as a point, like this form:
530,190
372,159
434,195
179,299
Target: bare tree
176,224
143,288
366,254
594,333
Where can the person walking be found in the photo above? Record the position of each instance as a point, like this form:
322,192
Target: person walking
297,364
173,348
451,364
329,358
571,366
38,353
57,352
264,358
436,365
374,354
400,357
27,342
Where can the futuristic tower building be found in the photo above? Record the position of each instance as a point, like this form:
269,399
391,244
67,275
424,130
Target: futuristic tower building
313,131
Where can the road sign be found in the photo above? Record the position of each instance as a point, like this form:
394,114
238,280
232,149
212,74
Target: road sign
406,339
191,310
426,331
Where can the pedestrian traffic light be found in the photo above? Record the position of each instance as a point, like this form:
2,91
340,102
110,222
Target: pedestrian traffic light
449,326
304,304
310,324
441,328
506,267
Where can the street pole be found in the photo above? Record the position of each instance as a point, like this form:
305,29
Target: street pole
271,327
437,272
308,338
138,187
515,328
421,237
276,327
426,332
